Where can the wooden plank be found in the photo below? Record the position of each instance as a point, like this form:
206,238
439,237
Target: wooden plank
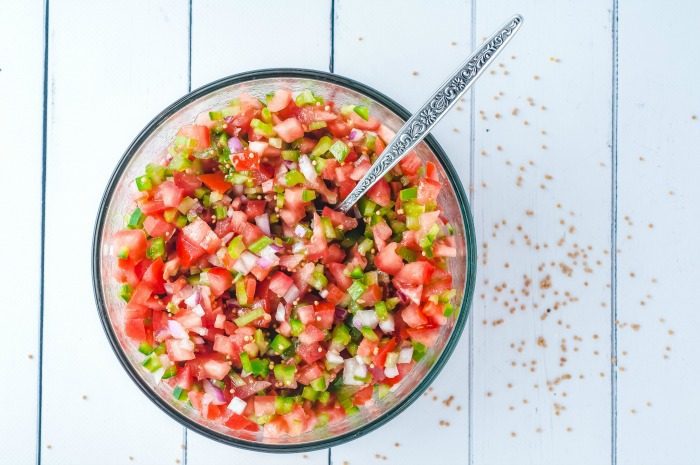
407,59
658,224
113,66
541,371
250,46
21,94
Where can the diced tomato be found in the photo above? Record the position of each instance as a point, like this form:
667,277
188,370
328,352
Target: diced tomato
179,349
440,282
310,353
306,314
184,378
428,190
363,396
339,128
141,293
198,232
339,219
334,253
187,252
212,412
410,163
371,296
309,373
219,280
216,182
135,329
131,241
415,273
426,336
344,188
436,313
240,423
169,193
276,428
311,334
337,270
370,124
154,275
245,161
366,348
388,261
431,171
255,208
223,345
380,358
264,405
335,294
289,130
412,292
199,134
280,99
318,243
215,369
413,317
380,193
324,313
251,233
155,226
152,206
187,182
280,283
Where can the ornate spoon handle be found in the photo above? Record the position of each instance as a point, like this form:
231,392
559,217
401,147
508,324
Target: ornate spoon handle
422,122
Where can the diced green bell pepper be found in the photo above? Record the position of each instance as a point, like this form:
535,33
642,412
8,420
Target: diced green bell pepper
322,146
257,246
285,373
294,177
363,111
249,317
279,344
356,290
339,150
236,247
136,219
125,292
156,249
144,183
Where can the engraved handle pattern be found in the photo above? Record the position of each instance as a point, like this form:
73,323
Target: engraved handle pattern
420,124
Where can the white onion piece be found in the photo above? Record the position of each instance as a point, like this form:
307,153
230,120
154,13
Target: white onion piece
198,310
353,369
176,330
237,405
366,318
391,372
334,357
219,321
406,354
193,299
387,325
269,252
263,222
245,262
298,247
281,313
299,231
292,294
258,146
200,330
268,186
307,169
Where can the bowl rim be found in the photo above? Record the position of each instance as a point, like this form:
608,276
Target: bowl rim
433,371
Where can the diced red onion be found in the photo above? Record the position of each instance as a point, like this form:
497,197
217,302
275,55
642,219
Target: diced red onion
238,189
237,405
193,298
263,222
292,294
307,169
355,135
265,263
216,393
249,389
387,325
340,313
406,354
235,145
176,330
366,318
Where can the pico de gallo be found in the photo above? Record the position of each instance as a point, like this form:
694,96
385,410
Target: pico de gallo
260,305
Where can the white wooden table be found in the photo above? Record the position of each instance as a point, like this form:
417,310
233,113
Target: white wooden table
580,151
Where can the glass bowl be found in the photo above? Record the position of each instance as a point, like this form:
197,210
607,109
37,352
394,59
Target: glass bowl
151,143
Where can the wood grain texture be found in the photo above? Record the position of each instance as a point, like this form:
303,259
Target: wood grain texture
542,181
247,49
112,66
407,59
21,94
658,226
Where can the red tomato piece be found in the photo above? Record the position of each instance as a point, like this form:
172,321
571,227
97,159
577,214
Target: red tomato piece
169,194
199,134
363,396
187,252
240,423
428,190
245,161
289,130
426,336
219,280
132,242
415,273
264,405
380,193
388,261
156,226
187,182
410,163
198,232
413,316
280,99
280,283
216,182
255,208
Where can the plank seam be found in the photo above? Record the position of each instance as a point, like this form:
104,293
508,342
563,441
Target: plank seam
44,140
331,62
613,237
472,145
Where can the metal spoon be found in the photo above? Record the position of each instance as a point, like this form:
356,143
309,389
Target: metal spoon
422,122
